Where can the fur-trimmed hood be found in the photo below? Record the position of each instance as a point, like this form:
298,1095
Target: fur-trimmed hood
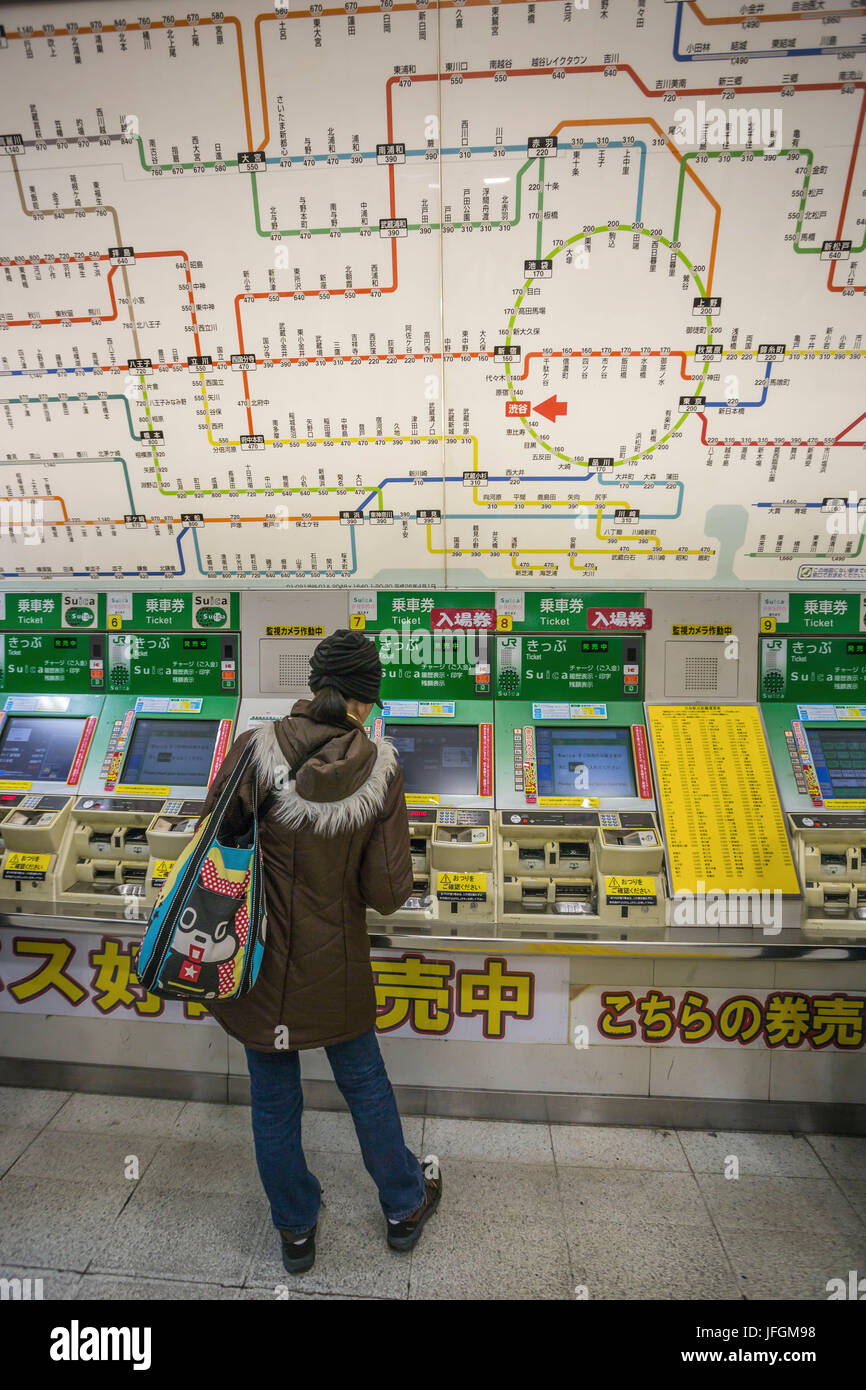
342,784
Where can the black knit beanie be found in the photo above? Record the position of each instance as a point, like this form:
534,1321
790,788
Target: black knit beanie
349,662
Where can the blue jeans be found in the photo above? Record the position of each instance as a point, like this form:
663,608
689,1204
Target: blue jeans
359,1071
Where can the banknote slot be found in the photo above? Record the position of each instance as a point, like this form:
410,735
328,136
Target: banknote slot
532,858
573,852
135,840
574,849
833,863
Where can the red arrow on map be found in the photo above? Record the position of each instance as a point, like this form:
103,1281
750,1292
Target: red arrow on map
550,408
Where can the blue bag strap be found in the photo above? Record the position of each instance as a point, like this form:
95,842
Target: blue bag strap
149,973
214,821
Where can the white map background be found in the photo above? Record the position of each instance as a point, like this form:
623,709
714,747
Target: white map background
373,385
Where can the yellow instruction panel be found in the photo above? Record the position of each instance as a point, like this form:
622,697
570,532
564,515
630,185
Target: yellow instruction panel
723,821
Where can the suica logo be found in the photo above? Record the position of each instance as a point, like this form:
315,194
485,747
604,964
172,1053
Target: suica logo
77,1343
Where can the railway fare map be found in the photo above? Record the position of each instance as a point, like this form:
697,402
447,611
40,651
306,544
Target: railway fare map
406,293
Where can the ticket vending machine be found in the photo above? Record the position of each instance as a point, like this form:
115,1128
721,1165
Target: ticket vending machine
439,716
446,752
157,748
813,701
578,846
44,741
52,685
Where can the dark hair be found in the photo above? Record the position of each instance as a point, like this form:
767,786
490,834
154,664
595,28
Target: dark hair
328,706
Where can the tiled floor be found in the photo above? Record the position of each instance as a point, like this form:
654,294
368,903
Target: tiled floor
528,1211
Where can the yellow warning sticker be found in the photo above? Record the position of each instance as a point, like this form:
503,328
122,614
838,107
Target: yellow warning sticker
630,888
421,799
161,870
27,866
568,801
129,789
296,630
454,886
7,786
723,823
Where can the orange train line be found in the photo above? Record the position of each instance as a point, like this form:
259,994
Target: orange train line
772,18
671,147
577,356
159,24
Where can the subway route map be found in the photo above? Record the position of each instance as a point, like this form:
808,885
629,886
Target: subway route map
426,293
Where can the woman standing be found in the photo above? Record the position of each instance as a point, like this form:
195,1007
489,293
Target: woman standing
335,840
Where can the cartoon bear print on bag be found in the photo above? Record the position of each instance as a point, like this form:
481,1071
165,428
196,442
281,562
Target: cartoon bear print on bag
205,938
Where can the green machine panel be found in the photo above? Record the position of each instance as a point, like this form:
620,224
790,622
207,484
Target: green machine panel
73,662
80,612
569,612
141,611
435,665
810,613
192,662
374,611
579,669
813,670
168,732
504,610
813,699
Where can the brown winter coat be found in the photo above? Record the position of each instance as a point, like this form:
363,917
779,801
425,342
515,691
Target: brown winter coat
336,841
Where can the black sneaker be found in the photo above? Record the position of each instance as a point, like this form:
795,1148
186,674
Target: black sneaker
299,1252
402,1235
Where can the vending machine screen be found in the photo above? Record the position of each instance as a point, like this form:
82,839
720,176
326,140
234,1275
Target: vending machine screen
38,748
584,762
437,760
176,752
